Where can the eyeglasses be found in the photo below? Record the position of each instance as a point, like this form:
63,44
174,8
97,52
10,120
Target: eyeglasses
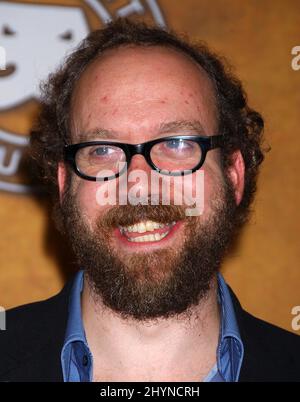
174,156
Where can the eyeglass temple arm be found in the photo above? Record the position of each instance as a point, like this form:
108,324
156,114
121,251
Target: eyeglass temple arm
216,141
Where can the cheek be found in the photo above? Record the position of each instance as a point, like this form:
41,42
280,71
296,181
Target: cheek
209,191
213,183
195,190
86,194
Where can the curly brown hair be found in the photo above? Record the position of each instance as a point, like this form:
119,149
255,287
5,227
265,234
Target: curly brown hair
241,126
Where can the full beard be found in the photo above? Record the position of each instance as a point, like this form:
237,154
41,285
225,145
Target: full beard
158,284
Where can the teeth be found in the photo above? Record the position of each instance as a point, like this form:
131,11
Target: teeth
150,225
151,237
143,227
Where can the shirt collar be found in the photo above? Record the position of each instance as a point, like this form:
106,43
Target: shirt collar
75,330
75,343
230,339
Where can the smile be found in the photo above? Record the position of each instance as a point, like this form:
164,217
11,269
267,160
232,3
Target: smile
152,231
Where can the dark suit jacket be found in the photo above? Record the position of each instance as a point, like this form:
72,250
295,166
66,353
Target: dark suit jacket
30,347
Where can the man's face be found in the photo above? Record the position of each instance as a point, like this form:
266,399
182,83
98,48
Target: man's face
133,92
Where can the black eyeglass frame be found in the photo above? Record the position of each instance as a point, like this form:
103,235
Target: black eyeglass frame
206,144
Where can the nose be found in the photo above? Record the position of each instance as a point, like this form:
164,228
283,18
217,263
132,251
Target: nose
138,162
138,178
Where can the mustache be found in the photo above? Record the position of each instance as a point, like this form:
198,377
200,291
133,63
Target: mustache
127,215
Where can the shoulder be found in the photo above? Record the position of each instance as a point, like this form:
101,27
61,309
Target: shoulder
33,330
263,331
270,353
274,340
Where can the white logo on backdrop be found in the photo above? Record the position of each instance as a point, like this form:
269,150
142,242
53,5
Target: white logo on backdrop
36,38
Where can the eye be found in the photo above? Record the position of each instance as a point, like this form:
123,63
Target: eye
177,144
101,151
67,36
8,31
175,148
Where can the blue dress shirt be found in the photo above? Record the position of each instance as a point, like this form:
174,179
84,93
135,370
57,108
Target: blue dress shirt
77,360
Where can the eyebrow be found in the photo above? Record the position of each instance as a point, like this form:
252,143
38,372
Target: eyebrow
178,125
103,133
163,128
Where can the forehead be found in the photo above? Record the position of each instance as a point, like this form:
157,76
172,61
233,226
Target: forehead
140,88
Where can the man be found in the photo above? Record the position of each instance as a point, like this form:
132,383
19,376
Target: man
148,303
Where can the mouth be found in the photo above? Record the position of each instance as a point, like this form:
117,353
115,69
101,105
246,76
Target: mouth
147,233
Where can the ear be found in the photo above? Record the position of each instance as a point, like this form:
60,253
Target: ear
61,179
236,174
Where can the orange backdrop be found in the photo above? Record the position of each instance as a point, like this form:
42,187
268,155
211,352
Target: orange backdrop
257,36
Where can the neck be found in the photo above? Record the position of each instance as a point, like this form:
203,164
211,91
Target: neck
128,346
